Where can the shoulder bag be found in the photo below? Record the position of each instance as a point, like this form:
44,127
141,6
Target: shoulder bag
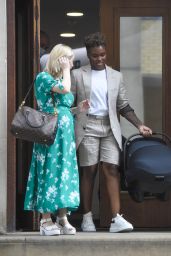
33,125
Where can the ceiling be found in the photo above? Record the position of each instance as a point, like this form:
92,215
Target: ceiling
54,21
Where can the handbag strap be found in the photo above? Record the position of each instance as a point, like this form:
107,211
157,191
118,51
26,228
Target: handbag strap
28,92
53,99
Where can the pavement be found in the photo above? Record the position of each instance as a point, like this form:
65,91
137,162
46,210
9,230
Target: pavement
95,244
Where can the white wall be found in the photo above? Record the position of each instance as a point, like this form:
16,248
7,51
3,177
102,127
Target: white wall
3,116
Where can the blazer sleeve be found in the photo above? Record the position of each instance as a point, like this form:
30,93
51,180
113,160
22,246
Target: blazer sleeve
122,99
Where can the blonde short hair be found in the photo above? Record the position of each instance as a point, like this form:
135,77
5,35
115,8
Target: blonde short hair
58,51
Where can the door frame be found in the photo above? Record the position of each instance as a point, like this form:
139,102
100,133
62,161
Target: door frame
34,22
110,13
11,106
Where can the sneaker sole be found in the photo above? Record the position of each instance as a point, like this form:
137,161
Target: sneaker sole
88,230
121,231
68,232
63,233
45,233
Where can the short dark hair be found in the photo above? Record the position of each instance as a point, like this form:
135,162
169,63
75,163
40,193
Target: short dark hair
94,40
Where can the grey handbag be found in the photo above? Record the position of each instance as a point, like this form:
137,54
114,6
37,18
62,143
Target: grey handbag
33,125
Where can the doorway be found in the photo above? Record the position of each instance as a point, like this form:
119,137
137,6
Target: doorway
139,33
111,21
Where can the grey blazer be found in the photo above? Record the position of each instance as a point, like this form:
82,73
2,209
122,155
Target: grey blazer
117,99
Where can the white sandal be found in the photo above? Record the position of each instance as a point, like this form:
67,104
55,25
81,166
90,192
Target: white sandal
67,228
49,230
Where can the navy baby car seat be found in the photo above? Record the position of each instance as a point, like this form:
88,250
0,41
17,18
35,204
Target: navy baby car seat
147,166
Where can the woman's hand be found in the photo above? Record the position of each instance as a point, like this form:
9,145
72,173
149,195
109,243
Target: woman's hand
144,130
64,63
84,105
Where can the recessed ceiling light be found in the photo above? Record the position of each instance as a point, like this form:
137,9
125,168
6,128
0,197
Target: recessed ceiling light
67,35
75,14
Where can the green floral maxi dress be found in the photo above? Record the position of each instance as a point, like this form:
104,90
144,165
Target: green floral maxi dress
53,181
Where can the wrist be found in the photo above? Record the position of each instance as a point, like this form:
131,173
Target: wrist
66,70
139,126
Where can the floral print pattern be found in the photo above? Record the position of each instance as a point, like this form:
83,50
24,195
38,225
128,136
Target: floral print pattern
53,181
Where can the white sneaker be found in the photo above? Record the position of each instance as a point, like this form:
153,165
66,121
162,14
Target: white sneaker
66,228
87,224
47,228
119,224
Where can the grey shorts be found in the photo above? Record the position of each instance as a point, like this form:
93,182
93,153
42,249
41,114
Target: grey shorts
99,143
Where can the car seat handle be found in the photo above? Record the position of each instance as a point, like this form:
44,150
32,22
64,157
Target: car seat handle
128,140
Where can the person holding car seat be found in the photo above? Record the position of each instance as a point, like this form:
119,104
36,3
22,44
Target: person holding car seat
98,133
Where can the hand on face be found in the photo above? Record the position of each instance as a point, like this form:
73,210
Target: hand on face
64,63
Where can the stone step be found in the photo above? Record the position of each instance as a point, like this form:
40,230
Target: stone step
87,244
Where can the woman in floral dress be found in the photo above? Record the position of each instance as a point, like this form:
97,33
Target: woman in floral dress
53,182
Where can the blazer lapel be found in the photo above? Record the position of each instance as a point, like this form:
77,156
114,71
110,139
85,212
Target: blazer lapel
111,84
110,79
86,71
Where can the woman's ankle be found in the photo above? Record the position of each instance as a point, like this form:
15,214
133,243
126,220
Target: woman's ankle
46,219
87,214
46,215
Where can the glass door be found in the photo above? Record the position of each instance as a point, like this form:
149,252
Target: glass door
141,66
142,61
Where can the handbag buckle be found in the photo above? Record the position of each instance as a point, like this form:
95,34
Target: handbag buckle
22,104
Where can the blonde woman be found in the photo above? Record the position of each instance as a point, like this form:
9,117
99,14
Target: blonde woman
53,183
